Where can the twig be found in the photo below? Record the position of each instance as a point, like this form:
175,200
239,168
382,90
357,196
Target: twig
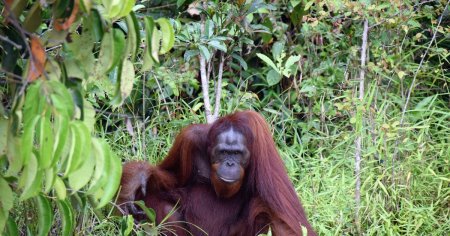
13,76
6,39
219,87
162,94
359,133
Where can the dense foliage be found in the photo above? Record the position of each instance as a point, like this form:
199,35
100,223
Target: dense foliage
84,82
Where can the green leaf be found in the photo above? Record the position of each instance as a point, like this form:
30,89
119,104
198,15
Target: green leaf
81,147
292,60
30,180
205,52
126,225
288,67
168,35
50,175
209,28
105,64
80,177
15,156
34,102
218,45
61,123
28,138
11,227
119,46
4,129
33,19
148,60
127,6
46,141
240,60
60,187
45,214
267,60
114,174
277,50
101,166
189,54
273,77
126,79
64,97
422,104
149,212
67,218
133,36
3,219
7,196
151,36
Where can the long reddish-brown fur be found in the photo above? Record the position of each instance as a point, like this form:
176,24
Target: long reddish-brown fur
266,198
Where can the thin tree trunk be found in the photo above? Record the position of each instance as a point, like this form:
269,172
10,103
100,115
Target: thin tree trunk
358,146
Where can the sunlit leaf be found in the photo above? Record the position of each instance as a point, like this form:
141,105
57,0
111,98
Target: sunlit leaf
60,188
101,166
80,177
127,6
112,185
49,180
267,60
168,35
127,79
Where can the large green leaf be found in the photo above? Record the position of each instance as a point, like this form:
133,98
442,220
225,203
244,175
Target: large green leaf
267,60
219,45
205,52
273,77
80,177
101,166
60,188
104,63
7,196
33,19
31,180
133,36
67,218
112,185
151,47
168,35
46,140
126,79
45,214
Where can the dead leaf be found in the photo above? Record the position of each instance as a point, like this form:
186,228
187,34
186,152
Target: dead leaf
193,8
65,23
37,59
